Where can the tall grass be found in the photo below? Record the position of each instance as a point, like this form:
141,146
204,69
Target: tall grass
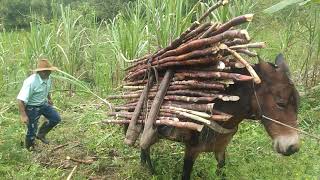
74,48
97,53
167,19
12,61
299,39
94,53
310,67
146,25
234,9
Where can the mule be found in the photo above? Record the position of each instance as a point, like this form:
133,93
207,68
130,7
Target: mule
275,97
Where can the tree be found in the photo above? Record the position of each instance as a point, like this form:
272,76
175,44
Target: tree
15,13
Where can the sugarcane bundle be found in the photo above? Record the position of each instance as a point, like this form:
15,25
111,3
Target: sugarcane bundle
178,85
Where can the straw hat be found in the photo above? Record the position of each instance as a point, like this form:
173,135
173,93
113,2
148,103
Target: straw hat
43,65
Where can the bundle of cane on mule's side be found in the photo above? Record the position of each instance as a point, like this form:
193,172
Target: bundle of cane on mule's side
178,85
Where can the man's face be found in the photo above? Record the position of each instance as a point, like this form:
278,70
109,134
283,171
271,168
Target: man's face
44,74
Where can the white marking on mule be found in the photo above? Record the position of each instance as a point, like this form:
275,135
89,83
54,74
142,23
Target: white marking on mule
282,143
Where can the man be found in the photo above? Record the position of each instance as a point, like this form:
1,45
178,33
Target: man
34,100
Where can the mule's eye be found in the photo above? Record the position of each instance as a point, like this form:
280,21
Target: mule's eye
281,104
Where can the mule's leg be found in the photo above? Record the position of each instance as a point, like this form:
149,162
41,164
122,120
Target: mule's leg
145,156
190,156
146,159
125,128
220,157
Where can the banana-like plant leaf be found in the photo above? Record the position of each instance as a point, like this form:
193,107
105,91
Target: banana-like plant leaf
283,4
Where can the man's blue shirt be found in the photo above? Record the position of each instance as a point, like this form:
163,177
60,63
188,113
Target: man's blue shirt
35,90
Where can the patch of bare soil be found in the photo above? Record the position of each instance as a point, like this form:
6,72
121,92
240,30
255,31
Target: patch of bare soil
67,156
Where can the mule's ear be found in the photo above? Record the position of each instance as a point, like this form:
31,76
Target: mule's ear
282,65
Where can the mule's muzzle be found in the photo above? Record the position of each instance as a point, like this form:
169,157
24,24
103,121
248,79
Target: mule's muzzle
291,150
287,145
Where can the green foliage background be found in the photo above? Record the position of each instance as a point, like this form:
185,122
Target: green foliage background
91,41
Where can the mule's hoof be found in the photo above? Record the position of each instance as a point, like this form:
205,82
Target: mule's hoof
220,173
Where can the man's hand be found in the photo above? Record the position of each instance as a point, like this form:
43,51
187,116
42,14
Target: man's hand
24,119
50,102
23,116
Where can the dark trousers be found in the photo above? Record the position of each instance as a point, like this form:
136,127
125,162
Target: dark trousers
34,113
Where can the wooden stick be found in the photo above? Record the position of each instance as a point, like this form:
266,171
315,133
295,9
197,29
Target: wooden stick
190,62
201,114
192,93
89,161
209,108
236,42
200,43
237,65
136,83
218,128
251,45
167,113
149,132
199,84
210,75
71,173
187,56
190,55
201,99
193,87
163,115
210,30
197,107
220,117
193,117
58,147
138,60
168,122
133,87
174,92
190,99
212,8
198,30
233,22
134,130
253,73
188,125
247,52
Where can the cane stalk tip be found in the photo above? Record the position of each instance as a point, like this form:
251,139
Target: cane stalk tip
199,129
223,46
246,34
264,44
257,80
224,2
249,17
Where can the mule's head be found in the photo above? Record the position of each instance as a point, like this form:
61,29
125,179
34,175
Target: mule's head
277,98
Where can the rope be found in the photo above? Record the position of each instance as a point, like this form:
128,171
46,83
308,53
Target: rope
286,125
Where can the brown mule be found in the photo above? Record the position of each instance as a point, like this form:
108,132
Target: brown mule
276,97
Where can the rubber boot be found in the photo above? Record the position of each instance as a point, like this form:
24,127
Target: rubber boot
29,144
43,131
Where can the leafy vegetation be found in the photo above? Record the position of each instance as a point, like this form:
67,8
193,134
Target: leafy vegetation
78,37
